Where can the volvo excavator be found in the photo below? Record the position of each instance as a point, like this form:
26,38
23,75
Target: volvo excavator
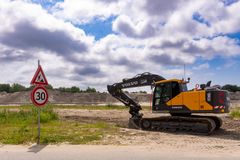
172,96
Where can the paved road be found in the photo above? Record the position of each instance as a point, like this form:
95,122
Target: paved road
88,152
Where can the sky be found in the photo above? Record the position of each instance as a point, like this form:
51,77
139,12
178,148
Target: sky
98,42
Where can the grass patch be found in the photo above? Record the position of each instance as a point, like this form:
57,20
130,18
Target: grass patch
235,113
26,116
74,132
20,127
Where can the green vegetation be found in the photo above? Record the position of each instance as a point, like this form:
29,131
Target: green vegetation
18,88
235,113
231,88
5,88
27,115
91,90
20,127
75,89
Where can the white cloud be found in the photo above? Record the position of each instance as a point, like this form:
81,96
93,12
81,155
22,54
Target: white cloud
30,33
154,36
85,11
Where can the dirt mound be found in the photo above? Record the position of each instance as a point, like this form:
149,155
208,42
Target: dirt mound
235,98
15,98
57,97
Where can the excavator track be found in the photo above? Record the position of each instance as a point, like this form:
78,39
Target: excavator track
217,120
203,125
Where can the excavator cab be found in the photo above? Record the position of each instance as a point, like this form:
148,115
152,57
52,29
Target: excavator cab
172,96
165,91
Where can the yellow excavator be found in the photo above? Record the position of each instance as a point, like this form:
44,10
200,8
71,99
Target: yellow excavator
172,96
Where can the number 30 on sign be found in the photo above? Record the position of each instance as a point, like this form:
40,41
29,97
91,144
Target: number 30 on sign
39,96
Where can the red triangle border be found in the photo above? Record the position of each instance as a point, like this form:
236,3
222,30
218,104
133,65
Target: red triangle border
35,77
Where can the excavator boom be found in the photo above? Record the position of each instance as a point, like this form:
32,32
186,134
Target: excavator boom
144,79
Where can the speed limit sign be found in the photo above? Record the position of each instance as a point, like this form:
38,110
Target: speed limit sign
39,96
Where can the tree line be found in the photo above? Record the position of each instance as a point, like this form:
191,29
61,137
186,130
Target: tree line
231,88
18,88
74,89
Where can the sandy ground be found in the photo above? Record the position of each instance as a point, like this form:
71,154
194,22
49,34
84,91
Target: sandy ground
225,140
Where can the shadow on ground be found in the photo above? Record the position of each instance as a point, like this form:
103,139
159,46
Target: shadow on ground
36,148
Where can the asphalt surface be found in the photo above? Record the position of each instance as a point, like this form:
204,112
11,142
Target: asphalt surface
99,152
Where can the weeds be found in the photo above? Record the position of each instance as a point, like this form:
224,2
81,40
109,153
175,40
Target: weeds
20,127
235,113
26,116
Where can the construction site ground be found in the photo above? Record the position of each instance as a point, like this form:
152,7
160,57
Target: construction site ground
225,140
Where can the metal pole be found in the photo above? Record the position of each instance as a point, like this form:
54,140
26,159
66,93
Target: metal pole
184,72
39,112
39,129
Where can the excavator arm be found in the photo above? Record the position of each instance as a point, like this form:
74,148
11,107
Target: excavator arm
144,79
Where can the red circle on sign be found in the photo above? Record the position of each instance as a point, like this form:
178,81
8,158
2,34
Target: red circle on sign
39,96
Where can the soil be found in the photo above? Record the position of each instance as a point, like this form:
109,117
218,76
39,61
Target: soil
57,97
224,140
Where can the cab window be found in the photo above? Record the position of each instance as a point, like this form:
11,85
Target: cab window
184,87
175,89
162,94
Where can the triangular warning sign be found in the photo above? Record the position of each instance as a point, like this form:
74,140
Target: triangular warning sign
39,77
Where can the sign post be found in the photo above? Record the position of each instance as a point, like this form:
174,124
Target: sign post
39,95
39,115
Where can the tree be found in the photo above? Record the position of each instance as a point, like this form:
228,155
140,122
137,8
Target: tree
231,88
29,88
17,88
62,89
49,86
91,90
5,88
75,89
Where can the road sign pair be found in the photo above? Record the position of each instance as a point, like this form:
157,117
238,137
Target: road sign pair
39,94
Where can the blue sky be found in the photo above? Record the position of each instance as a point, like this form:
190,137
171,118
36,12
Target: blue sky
47,4
99,42
98,28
